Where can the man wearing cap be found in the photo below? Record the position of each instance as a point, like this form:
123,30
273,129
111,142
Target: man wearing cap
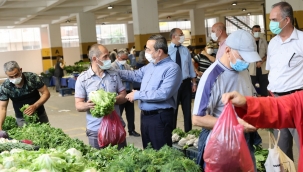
227,74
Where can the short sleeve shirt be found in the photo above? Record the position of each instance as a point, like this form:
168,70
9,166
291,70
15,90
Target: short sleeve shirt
32,82
88,81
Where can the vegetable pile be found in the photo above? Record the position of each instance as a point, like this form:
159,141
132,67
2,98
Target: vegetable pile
104,102
186,139
260,155
60,153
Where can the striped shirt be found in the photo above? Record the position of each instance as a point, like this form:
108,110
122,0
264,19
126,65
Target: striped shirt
203,62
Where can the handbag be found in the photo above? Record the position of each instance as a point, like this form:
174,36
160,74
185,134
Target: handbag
277,160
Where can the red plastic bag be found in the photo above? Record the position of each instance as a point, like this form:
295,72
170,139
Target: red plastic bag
227,149
111,130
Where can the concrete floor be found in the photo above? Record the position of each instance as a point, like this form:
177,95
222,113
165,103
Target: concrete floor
62,114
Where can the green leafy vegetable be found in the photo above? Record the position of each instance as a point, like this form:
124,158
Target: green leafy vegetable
179,131
104,102
261,156
9,123
29,118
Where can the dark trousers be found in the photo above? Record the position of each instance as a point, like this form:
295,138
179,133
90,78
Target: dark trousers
58,83
262,79
157,129
184,96
93,140
130,114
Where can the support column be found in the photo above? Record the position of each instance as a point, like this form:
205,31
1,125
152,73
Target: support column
87,33
145,20
51,45
221,19
198,38
297,7
130,36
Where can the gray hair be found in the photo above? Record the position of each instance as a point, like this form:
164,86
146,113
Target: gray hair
10,66
286,10
94,51
172,32
161,43
122,51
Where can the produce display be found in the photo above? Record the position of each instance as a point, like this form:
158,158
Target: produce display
185,140
104,102
29,118
60,153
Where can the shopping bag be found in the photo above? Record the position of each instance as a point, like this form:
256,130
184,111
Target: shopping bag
277,160
111,130
227,149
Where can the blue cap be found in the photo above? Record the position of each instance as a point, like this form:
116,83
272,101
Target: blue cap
245,44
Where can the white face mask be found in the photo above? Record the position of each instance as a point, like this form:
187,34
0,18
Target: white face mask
122,62
213,36
149,58
181,40
106,64
257,34
16,81
209,51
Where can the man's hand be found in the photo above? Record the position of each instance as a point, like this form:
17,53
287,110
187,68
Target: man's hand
89,105
247,127
130,96
259,64
236,99
30,110
194,88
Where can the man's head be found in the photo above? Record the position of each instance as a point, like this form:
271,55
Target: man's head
256,31
122,56
218,32
177,36
241,50
99,56
156,48
13,72
281,17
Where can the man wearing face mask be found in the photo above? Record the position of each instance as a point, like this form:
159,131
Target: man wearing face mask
284,62
160,80
22,88
98,76
257,70
182,57
218,34
121,64
204,59
225,75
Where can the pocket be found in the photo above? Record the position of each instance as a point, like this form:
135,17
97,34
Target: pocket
295,60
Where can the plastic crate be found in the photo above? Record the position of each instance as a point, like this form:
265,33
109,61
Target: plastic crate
192,153
64,91
180,148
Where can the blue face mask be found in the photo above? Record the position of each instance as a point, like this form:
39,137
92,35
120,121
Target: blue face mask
274,27
240,65
106,64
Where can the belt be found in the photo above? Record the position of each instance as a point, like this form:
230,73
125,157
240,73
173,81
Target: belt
288,92
155,112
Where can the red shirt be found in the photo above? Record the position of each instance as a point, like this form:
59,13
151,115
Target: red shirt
280,112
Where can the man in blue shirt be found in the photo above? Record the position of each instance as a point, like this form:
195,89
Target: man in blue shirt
120,63
160,80
182,57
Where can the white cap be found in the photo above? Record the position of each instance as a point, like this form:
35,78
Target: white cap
245,44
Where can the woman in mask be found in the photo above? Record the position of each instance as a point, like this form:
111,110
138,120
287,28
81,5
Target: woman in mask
59,72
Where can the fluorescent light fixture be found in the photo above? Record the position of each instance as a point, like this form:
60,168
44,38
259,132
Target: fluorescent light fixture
234,3
110,7
243,9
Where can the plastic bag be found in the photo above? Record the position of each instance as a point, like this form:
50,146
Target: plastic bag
227,149
277,160
111,130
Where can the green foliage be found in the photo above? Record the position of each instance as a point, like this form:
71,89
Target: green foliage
9,123
29,118
179,131
104,102
261,156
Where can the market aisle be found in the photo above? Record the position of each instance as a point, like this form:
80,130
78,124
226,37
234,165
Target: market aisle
62,114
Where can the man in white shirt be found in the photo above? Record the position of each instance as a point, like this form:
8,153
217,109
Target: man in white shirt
257,70
285,63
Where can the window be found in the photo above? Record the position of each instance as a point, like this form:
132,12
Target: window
111,34
168,26
19,39
208,25
69,36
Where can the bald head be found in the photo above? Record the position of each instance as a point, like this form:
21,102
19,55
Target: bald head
219,32
97,50
219,27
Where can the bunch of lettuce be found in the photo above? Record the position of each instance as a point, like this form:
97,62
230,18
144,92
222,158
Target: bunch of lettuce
104,103
33,118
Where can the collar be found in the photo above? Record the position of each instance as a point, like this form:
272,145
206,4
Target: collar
92,73
294,35
174,45
163,60
120,65
222,42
